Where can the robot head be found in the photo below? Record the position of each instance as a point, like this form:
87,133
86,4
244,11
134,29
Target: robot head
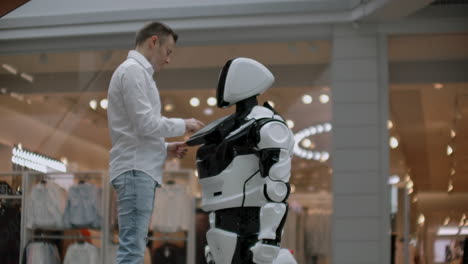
240,79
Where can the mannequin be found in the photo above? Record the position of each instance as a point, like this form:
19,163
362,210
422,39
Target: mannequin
244,167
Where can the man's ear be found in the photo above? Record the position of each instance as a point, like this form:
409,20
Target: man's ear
154,41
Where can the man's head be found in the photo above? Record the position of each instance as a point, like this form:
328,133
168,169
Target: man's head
156,42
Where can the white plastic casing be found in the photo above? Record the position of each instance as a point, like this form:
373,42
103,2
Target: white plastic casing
246,78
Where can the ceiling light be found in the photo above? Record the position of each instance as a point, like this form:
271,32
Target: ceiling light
271,103
393,142
168,107
320,128
453,134
410,184
462,220
438,86
449,150
10,69
211,101
194,101
27,77
293,188
327,127
452,172
317,156
306,143
93,104
450,186
394,179
64,160
103,103
421,219
208,111
447,231
312,131
446,221
307,99
20,146
389,124
324,98
415,199
325,156
290,123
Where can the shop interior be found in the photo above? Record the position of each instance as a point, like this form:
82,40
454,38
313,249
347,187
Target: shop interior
428,151
53,105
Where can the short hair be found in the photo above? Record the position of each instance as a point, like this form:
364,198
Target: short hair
154,28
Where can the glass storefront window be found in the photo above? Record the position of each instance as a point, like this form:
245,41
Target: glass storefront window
54,103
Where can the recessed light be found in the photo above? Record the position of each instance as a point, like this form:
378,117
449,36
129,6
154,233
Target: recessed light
324,98
394,142
104,103
168,107
449,150
438,86
306,143
389,124
307,99
194,101
290,123
453,134
211,101
271,103
446,221
93,104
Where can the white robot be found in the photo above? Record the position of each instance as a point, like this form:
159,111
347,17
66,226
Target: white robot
244,168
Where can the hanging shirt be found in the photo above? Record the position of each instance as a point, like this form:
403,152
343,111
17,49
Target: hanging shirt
172,209
82,207
136,126
41,253
83,253
44,209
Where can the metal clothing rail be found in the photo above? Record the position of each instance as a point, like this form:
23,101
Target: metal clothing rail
10,196
168,238
65,237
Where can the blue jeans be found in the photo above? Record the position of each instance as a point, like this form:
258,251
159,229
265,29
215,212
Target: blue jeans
135,194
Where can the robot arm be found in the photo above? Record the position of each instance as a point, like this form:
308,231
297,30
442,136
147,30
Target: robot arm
274,142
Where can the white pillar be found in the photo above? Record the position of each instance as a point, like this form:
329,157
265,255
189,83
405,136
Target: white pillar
361,197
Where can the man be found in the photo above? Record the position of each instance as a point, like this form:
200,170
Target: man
138,131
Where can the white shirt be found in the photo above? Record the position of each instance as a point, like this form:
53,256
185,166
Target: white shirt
44,208
136,126
172,207
84,253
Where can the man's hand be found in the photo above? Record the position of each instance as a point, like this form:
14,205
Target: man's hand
176,150
192,125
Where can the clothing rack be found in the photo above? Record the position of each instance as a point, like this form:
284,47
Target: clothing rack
30,179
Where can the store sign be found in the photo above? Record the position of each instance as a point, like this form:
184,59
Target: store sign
9,5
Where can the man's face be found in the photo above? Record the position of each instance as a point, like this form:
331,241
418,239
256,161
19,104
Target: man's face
161,52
